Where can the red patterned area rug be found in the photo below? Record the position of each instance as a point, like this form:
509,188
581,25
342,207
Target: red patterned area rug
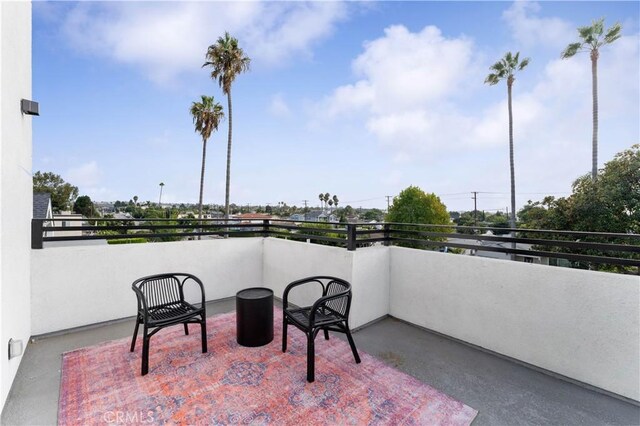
236,385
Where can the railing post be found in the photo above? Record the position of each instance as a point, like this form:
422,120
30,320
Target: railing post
36,233
265,228
351,236
387,239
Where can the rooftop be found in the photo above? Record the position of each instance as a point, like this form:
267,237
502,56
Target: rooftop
503,391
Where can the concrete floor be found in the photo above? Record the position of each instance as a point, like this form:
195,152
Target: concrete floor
503,392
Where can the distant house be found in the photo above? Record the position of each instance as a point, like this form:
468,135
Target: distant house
63,219
42,209
298,217
253,217
499,255
321,216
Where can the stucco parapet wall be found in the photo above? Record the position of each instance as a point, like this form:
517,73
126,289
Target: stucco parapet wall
579,324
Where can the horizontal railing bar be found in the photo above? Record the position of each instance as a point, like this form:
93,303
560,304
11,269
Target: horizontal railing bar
544,231
309,237
132,227
569,256
560,243
301,228
358,224
148,235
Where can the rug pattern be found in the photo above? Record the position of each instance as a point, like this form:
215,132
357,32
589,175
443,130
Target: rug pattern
233,385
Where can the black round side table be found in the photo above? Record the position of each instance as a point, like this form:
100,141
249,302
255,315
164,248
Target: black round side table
254,316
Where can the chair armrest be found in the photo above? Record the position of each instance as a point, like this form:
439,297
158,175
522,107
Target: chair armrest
142,301
320,303
297,283
198,281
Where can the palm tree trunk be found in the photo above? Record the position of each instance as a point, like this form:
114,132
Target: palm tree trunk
226,197
512,218
204,156
594,141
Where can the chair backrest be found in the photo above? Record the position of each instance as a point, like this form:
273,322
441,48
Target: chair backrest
340,305
160,290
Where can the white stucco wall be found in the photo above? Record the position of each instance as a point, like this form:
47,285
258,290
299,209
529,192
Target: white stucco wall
75,286
581,324
370,279
15,184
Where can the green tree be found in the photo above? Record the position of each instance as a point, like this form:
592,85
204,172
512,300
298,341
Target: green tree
227,60
62,193
207,115
611,203
592,38
505,69
414,206
373,214
84,206
135,200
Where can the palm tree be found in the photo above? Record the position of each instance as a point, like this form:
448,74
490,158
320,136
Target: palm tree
326,197
592,40
207,115
160,199
135,200
335,201
227,60
505,68
321,196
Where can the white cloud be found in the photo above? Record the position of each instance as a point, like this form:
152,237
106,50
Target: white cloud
88,178
407,88
165,39
530,29
85,175
278,106
430,112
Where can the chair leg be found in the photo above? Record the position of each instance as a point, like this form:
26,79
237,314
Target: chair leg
353,345
284,334
186,329
203,331
145,352
311,357
135,334
326,334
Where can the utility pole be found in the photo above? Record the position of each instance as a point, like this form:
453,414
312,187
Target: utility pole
304,212
388,198
475,208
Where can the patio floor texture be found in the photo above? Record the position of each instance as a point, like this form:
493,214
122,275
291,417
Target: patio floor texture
504,392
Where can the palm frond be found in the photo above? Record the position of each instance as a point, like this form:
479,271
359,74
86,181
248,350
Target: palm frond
524,63
492,79
570,50
586,33
598,27
613,33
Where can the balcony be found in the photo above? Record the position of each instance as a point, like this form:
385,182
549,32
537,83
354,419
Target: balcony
521,343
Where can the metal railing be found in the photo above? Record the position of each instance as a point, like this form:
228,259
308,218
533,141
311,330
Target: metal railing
581,248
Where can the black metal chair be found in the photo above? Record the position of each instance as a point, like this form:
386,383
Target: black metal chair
161,304
329,313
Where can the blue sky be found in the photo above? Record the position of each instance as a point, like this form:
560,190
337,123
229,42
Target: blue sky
356,99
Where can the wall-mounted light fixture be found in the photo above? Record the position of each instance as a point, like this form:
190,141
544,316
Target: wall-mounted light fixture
15,348
29,107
